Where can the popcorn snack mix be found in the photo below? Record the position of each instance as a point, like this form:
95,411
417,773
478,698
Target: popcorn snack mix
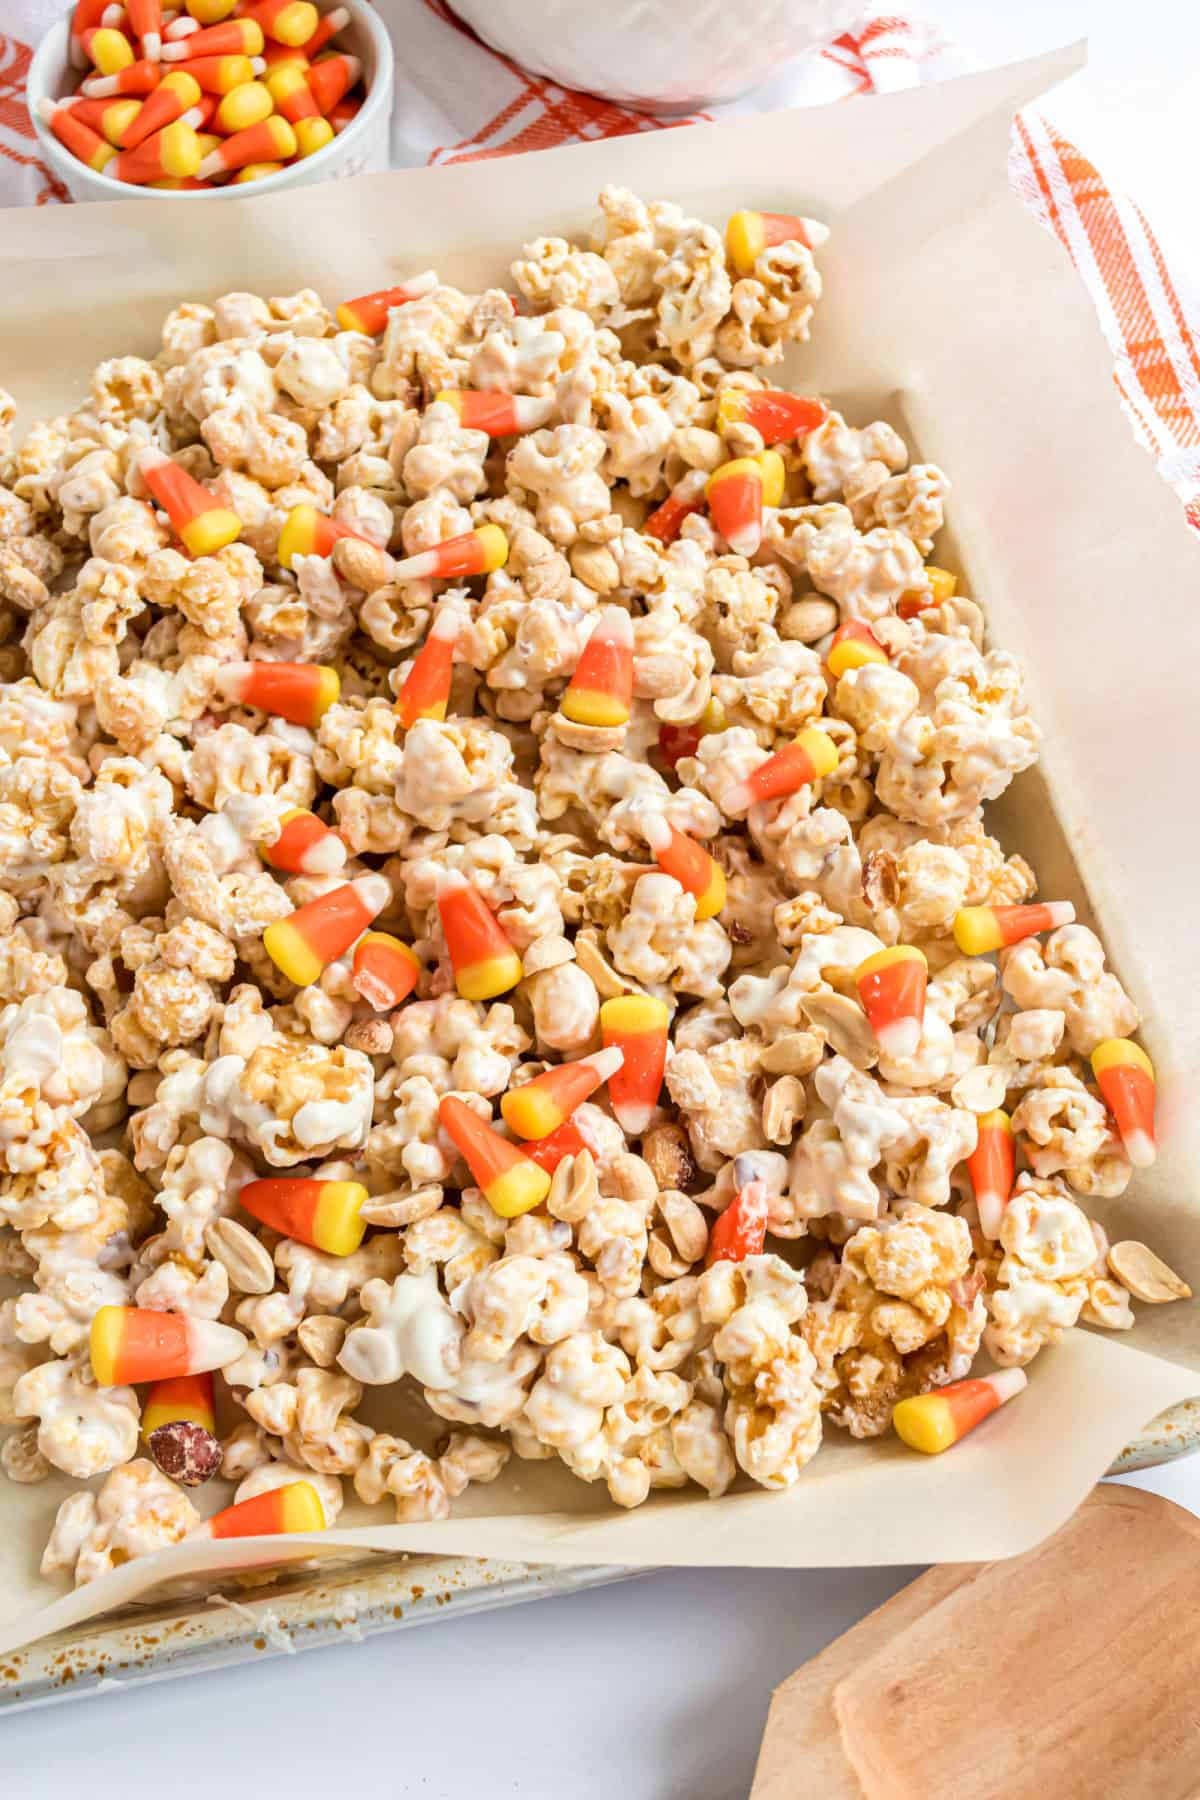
468,919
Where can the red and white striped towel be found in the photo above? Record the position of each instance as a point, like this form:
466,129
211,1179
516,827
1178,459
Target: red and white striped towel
458,101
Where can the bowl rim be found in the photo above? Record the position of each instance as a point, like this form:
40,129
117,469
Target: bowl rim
52,51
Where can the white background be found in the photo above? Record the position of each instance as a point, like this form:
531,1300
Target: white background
656,1689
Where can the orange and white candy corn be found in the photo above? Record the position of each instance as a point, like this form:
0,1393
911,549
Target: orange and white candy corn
600,692
568,1140
235,37
687,862
812,756
272,139
324,1214
1125,1076
328,26
992,1167
891,985
425,691
941,586
306,532
291,93
111,118
295,1507
180,1400
637,1025
341,115
497,413
174,96
108,50
737,493
197,516
130,1344
934,1422
748,234
369,313
684,499
385,970
141,77
539,1107
146,23
303,945
484,961
511,1182
741,1230
286,21
172,154
776,415
80,139
300,692
89,15
476,552
218,74
854,644
331,79
979,929
305,845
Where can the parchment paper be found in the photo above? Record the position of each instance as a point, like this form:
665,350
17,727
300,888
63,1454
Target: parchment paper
949,308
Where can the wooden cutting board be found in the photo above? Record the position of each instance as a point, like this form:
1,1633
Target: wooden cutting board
1069,1673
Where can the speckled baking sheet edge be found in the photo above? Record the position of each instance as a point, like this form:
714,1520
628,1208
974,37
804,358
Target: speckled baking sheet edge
303,1610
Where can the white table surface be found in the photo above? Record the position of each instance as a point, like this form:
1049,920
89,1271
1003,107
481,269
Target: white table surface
656,1689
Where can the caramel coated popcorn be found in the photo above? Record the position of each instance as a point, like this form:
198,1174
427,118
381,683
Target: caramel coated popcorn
158,1052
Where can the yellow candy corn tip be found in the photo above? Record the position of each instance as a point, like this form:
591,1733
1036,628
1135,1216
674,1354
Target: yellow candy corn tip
111,51
181,158
634,1013
183,84
774,476
329,686
449,397
348,319
852,653
392,943
531,1112
710,902
976,932
942,584
302,1509
740,467
518,1190
495,547
244,106
587,706
745,240
101,157
105,1343
436,711
731,408
283,138
312,135
484,980
284,81
211,531
925,1423
820,749
294,25
1118,1053
290,954
299,532
337,1227
884,959
994,1121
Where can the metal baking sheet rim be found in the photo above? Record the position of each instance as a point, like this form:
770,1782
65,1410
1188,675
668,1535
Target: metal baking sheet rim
303,1610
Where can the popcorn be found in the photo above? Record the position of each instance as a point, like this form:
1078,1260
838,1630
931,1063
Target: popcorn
136,1512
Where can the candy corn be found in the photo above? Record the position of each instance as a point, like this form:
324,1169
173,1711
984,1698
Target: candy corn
991,1166
172,154
484,962
202,12
891,986
933,1422
111,118
291,93
741,1229
328,26
636,1024
287,21
812,756
312,135
425,693
1125,1076
978,929
512,1183
684,499
267,141
325,1214
305,845
242,107
145,21
687,861
539,1107
369,313
343,114
236,37
497,413
675,741
748,234
475,552
171,99
600,692
89,15
301,692
942,586
107,50
196,515
568,1140
737,493
182,1399
218,74
296,1507
331,79
80,139
140,77
776,415
303,945
854,644
279,56
129,1343
385,970
306,532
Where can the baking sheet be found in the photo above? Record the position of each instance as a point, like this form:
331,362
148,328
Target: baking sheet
944,299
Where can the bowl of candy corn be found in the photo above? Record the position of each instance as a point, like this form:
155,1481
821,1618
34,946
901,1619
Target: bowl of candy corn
139,98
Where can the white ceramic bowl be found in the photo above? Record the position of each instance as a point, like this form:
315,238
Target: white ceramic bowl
360,149
665,56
